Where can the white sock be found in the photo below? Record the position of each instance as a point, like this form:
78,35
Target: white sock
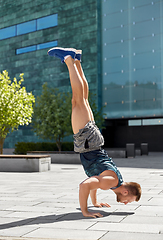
66,57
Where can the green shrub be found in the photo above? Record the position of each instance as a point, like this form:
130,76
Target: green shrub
67,146
24,147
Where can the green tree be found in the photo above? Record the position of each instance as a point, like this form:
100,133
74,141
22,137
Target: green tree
52,115
16,105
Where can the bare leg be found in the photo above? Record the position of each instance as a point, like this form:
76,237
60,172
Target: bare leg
81,113
86,88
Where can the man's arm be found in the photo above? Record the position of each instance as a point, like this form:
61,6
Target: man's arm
94,200
84,191
93,183
93,196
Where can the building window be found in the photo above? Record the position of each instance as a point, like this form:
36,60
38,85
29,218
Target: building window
7,32
153,121
26,27
47,22
30,26
26,49
36,47
46,45
145,122
135,122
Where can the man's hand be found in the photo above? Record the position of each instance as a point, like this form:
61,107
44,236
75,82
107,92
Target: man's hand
94,200
90,186
102,205
91,214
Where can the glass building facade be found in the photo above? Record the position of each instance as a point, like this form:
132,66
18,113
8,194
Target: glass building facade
132,72
132,40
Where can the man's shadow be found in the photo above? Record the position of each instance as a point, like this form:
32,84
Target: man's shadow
70,216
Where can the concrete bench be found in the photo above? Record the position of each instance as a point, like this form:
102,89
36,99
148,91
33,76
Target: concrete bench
64,157
25,163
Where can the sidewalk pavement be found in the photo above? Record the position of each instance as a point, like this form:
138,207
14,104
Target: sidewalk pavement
45,205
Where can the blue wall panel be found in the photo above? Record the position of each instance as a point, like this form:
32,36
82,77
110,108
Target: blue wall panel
132,58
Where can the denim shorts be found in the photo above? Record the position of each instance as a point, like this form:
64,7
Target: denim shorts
96,162
88,138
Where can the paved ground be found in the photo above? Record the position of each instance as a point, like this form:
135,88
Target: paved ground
45,205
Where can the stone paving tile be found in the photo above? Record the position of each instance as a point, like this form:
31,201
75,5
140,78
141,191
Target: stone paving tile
150,211
42,195
27,238
143,220
4,213
156,201
31,209
13,222
70,234
111,218
9,203
59,224
131,236
54,204
4,205
127,227
67,200
17,231
31,215
155,191
16,199
129,208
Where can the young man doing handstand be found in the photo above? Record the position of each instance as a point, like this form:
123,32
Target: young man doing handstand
101,170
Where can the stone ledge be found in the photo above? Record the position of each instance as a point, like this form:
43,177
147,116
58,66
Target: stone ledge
49,152
25,163
23,156
64,157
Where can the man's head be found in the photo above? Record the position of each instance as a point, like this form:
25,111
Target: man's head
129,192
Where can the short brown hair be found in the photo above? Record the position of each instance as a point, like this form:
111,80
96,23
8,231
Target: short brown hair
134,189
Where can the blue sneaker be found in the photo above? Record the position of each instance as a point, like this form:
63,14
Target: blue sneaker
78,55
62,52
